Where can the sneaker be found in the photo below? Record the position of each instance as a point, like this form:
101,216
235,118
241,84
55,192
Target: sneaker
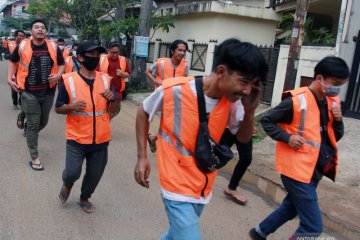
254,235
15,107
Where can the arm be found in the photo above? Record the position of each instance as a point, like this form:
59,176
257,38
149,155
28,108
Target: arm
11,72
62,105
54,78
338,124
149,75
142,168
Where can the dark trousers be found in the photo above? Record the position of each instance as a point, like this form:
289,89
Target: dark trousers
245,157
301,201
16,97
95,166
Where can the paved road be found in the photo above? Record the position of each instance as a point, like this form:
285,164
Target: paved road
29,210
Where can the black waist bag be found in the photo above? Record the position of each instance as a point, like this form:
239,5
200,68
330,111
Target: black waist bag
327,161
209,155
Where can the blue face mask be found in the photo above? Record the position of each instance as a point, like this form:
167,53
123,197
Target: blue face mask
330,91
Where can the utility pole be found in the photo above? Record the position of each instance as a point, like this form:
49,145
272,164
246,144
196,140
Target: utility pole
296,41
139,78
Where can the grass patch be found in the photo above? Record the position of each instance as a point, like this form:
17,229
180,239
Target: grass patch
260,133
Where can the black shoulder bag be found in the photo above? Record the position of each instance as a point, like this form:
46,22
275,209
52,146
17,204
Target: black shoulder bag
209,155
327,156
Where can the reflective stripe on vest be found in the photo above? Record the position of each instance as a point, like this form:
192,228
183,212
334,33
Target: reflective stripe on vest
73,95
21,50
162,67
102,60
105,82
303,107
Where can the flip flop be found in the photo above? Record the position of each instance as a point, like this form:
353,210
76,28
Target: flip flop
36,164
20,122
231,197
87,207
151,144
62,196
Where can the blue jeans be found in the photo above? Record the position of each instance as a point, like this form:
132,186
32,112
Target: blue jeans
183,220
301,201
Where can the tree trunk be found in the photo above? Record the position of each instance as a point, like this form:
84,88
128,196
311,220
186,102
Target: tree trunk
138,78
119,15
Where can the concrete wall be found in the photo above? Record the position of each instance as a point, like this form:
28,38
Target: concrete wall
309,57
347,46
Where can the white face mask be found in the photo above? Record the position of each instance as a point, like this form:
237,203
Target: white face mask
61,48
74,53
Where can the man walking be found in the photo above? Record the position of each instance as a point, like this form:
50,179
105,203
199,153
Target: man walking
117,67
86,99
19,36
40,67
164,68
64,51
238,68
306,125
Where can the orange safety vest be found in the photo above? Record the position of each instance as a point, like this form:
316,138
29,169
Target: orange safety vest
300,164
66,52
69,65
6,43
80,125
11,46
104,66
25,53
167,70
177,139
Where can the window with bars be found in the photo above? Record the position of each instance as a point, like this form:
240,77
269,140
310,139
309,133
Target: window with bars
198,58
164,50
151,52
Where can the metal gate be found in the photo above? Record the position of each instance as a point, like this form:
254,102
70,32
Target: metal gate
352,102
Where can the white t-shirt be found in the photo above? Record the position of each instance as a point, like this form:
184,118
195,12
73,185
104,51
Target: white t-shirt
153,104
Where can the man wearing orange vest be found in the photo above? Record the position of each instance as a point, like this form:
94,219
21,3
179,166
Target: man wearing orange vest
87,98
61,43
175,66
238,68
116,66
163,68
38,64
306,125
19,36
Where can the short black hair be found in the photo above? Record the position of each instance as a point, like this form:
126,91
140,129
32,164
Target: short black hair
37,21
242,57
175,44
75,44
18,31
114,44
61,40
332,66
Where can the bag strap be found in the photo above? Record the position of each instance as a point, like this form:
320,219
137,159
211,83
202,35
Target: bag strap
201,99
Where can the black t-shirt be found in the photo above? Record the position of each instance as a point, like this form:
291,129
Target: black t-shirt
37,82
63,98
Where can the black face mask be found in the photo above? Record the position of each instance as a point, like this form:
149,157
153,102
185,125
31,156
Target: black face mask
90,63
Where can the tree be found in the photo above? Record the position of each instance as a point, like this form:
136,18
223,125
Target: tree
312,35
138,79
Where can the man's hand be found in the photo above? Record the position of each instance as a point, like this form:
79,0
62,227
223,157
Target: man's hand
296,142
54,78
336,111
118,72
78,106
251,102
13,85
108,95
142,172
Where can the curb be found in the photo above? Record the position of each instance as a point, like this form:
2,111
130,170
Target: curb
277,193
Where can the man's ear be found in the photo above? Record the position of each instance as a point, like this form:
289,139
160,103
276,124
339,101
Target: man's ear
221,71
318,77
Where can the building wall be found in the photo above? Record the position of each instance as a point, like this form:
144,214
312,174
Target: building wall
203,27
309,57
347,47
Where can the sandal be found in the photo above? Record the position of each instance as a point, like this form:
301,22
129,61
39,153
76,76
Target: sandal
233,198
87,207
20,122
152,144
39,166
62,196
